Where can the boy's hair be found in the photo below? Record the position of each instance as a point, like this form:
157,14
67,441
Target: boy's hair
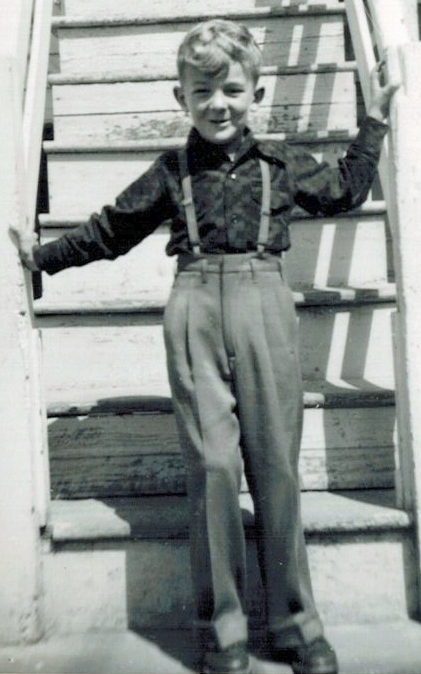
212,45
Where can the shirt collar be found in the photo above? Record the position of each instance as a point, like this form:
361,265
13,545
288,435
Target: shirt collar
208,155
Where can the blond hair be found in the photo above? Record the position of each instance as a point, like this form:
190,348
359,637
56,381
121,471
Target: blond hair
211,45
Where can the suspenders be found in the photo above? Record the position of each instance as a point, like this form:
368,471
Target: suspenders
190,210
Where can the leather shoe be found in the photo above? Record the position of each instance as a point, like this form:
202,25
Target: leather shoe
317,657
232,660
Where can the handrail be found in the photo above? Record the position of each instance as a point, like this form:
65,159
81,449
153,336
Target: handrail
375,34
24,53
35,95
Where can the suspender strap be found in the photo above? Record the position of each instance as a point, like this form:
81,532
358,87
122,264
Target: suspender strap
187,202
190,210
265,208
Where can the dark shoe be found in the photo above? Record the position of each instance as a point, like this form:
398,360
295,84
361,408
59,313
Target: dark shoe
232,660
318,657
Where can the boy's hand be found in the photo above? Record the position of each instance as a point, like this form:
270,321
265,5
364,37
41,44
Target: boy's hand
381,93
25,240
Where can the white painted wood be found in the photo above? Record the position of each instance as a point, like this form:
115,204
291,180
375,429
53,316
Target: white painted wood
35,99
148,49
109,8
405,210
391,27
127,356
135,110
86,180
152,573
22,509
15,30
356,256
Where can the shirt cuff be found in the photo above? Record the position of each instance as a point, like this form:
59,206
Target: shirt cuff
371,133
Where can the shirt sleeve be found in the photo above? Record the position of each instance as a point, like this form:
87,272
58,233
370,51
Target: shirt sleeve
320,188
137,212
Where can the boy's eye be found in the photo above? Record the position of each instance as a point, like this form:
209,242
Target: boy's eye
234,91
201,91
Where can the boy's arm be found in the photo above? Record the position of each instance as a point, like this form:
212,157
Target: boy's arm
138,211
321,188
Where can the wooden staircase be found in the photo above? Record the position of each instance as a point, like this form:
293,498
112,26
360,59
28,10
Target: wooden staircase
116,545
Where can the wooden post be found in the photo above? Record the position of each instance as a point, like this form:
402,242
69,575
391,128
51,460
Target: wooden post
22,417
405,210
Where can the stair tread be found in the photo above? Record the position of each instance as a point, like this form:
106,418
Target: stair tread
162,144
142,18
57,79
113,401
381,648
48,220
167,516
308,297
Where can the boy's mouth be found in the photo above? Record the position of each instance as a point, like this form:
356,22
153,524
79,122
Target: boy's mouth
220,122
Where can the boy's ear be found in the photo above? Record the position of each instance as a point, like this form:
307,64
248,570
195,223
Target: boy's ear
179,97
258,95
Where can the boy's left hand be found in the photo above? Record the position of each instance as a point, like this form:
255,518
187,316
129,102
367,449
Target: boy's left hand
381,93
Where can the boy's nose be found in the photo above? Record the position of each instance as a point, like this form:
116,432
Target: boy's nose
218,101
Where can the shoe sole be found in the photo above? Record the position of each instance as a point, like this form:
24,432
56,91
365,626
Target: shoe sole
298,669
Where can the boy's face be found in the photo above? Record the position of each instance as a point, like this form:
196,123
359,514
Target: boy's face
219,106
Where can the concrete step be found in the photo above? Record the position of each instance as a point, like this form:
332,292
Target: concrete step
144,40
119,562
352,250
129,446
384,648
82,178
132,109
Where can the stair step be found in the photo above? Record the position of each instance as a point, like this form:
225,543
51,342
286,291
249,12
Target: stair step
351,250
80,11
119,561
148,44
167,517
383,648
131,110
82,178
345,341
129,446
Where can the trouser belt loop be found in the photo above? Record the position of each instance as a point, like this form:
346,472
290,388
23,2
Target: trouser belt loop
253,269
204,269
280,267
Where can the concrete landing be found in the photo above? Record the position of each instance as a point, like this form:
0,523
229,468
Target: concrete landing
393,648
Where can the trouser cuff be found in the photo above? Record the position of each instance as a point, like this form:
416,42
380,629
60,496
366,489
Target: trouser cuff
222,633
296,631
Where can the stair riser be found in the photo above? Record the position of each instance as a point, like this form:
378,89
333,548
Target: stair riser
91,587
325,252
109,8
342,347
131,455
138,110
82,182
151,49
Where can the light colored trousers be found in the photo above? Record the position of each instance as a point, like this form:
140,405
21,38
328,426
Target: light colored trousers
231,336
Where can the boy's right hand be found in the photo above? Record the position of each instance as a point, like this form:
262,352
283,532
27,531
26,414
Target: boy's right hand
25,240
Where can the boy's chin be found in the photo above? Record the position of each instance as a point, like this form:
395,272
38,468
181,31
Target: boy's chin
225,138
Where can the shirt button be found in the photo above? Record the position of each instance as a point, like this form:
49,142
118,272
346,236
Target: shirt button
234,219
233,176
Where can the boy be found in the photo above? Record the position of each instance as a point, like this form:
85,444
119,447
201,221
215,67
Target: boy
231,332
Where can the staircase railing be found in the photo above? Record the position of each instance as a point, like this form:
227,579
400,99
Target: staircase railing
24,487
392,34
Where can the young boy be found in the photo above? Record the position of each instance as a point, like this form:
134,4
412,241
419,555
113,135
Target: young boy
231,332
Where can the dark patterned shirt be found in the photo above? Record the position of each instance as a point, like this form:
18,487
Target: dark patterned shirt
227,197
